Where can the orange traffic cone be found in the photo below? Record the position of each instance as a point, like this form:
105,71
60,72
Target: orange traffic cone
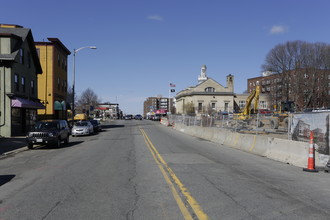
311,155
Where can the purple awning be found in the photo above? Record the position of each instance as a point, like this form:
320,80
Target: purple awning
25,103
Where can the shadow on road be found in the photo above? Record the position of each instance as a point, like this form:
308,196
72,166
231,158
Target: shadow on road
5,179
112,126
48,147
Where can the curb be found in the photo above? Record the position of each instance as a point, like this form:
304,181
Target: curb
16,151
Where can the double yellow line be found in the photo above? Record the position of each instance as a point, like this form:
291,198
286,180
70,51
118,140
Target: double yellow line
171,178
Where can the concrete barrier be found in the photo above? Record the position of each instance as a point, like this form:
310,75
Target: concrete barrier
286,151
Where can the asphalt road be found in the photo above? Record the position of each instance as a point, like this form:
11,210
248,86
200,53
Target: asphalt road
143,170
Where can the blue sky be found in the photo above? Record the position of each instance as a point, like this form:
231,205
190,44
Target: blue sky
142,45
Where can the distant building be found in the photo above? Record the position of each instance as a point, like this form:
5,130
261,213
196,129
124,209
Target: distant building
157,105
108,110
19,68
307,88
53,83
207,97
210,97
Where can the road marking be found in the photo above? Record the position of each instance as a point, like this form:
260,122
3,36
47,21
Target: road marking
168,175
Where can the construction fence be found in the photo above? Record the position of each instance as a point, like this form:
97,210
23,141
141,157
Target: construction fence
293,126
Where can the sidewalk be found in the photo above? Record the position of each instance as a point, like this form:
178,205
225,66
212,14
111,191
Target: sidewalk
12,143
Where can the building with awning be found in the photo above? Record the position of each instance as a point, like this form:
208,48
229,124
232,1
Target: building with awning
53,83
19,70
18,102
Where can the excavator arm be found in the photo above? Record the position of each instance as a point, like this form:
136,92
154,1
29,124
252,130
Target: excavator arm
247,109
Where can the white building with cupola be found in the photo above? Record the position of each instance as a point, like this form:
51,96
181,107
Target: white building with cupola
207,97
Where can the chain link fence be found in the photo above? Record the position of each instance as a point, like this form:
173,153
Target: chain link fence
295,126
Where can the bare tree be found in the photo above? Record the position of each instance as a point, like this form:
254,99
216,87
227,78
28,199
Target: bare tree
69,96
302,68
88,98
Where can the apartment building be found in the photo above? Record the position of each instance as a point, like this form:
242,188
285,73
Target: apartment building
19,69
158,105
53,83
306,88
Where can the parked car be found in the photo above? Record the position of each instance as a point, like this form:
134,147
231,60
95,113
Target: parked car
82,128
138,117
49,132
96,125
128,117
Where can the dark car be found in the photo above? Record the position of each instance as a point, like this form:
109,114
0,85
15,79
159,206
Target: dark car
49,132
128,117
138,117
96,125
156,117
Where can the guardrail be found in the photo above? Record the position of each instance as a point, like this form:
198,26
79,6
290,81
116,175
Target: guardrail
295,126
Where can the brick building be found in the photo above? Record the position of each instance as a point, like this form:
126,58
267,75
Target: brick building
307,88
152,104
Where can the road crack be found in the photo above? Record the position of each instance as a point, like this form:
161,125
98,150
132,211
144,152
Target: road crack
51,210
132,159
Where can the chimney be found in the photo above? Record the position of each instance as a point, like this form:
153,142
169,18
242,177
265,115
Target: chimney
230,82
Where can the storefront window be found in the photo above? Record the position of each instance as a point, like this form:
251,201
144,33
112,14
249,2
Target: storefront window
16,121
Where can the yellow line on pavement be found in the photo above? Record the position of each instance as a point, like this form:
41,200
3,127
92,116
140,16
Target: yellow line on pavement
191,201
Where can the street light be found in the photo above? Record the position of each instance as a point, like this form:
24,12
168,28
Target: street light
74,76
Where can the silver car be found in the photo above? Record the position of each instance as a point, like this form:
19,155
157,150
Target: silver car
82,128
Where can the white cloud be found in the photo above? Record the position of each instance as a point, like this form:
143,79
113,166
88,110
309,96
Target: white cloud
155,17
278,29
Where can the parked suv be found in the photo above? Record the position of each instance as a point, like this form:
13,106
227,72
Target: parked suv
49,132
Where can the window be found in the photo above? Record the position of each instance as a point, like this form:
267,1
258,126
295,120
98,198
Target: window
241,104
209,89
23,83
16,82
213,105
32,86
263,104
38,52
58,83
21,56
200,107
226,106
58,60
